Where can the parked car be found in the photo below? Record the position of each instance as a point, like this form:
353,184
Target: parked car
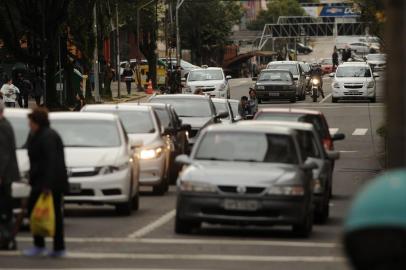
100,160
214,187
227,105
210,80
185,66
363,48
312,149
307,116
299,75
195,110
304,49
177,133
142,124
377,61
275,84
354,81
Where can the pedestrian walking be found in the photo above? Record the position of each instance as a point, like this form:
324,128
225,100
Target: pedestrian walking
25,88
47,176
128,74
8,173
9,93
335,58
253,101
80,102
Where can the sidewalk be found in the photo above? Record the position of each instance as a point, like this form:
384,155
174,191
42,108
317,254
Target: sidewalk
135,95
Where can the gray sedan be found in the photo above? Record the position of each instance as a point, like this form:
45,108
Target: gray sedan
243,176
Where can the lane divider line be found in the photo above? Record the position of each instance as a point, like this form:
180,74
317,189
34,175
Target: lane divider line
326,98
360,132
154,225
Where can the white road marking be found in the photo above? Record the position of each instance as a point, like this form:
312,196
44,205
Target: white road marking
183,241
195,257
360,132
154,225
326,98
333,131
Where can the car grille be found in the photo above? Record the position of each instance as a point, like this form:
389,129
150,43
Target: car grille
276,88
354,93
353,86
83,173
208,89
83,192
248,190
236,213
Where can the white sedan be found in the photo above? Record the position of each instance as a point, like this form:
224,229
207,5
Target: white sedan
100,160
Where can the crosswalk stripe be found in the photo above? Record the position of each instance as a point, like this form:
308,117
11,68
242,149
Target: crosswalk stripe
360,132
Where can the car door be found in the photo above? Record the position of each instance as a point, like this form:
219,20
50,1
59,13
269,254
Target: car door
181,136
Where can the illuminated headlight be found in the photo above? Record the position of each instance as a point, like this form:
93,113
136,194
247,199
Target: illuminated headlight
190,186
317,188
336,85
260,87
112,169
315,81
371,84
151,153
287,190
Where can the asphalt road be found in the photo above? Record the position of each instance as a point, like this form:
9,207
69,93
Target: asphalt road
98,239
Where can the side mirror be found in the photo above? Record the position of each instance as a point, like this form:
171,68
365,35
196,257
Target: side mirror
222,115
136,143
332,74
186,127
309,165
376,75
338,137
228,77
254,79
333,155
183,159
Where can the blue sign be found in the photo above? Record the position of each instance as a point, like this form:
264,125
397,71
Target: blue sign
339,11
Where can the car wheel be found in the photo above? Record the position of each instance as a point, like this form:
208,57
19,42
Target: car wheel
323,213
162,188
334,100
372,100
185,226
305,228
136,202
125,209
293,99
303,95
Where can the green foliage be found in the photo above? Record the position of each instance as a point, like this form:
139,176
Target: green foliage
373,11
276,8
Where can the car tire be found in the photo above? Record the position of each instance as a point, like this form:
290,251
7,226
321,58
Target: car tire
136,202
162,188
125,209
323,213
305,228
185,226
372,100
293,99
334,100
303,95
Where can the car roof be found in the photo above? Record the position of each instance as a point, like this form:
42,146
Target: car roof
219,100
12,112
180,96
284,62
355,64
116,107
293,125
289,110
247,128
154,105
275,70
208,68
83,116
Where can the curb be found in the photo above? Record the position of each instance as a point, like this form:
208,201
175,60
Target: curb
124,100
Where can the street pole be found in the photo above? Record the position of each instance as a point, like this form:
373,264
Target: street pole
44,54
96,58
178,50
118,54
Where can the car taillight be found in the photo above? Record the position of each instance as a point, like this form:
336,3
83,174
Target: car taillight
328,144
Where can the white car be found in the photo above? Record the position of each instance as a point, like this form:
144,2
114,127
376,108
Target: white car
363,48
19,121
142,124
101,164
210,80
354,80
377,61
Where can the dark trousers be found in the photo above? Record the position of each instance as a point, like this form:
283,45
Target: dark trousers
128,84
10,104
38,100
6,204
59,241
23,101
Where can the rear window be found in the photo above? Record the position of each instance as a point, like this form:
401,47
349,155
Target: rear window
291,67
308,145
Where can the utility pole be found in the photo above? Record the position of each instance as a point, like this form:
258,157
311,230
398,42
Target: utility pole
118,54
96,58
44,52
178,50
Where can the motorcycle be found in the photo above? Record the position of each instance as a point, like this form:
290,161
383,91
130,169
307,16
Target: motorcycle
316,88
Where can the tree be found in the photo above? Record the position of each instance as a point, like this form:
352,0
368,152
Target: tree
373,11
206,26
40,23
275,9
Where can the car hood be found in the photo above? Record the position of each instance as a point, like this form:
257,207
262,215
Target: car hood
92,157
376,62
352,79
240,173
273,83
212,83
148,139
196,122
23,160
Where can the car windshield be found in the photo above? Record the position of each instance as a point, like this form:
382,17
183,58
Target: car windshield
353,71
187,107
291,67
21,130
87,133
275,76
247,147
376,57
205,75
290,117
163,116
135,122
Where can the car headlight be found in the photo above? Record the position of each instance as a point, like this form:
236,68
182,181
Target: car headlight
112,169
336,85
151,153
190,186
287,190
371,84
260,87
315,81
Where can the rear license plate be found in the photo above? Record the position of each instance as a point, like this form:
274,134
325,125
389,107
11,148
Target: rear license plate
272,94
75,188
248,205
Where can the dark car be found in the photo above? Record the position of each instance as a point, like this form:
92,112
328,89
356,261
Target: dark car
301,48
275,84
195,110
176,131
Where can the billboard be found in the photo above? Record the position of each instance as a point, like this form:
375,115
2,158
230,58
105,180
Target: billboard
332,11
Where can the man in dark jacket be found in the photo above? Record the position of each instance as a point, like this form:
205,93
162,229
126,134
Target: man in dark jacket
8,173
47,176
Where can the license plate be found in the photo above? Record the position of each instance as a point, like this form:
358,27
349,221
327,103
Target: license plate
246,205
273,94
353,92
75,188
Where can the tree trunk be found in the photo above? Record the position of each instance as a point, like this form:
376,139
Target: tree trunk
52,101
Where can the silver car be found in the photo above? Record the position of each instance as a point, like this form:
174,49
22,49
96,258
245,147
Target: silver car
243,175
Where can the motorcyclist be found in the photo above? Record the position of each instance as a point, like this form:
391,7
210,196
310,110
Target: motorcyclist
317,73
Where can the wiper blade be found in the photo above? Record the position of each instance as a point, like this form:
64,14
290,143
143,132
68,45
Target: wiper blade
245,160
